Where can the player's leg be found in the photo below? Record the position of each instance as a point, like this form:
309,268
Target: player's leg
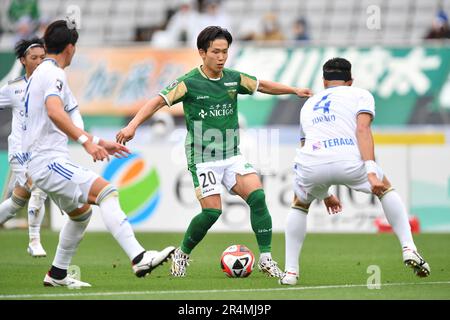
397,216
19,196
36,212
395,212
12,205
70,237
295,233
207,186
249,188
106,196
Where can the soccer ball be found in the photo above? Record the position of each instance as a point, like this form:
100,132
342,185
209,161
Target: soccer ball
237,261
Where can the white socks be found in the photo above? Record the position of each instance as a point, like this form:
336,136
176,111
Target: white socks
294,236
8,210
117,223
36,212
69,239
397,217
10,207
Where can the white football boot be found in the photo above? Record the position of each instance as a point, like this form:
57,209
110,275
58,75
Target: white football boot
68,282
180,261
289,278
269,267
414,260
151,260
35,249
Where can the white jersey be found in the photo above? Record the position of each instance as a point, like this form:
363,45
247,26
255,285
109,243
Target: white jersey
11,96
328,125
41,138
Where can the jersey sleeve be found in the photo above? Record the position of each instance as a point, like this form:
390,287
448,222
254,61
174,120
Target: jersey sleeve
247,84
55,84
5,100
72,103
366,103
302,133
174,92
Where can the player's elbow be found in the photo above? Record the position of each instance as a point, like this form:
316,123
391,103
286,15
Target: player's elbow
363,129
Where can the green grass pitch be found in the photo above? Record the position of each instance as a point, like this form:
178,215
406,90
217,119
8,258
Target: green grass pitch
333,266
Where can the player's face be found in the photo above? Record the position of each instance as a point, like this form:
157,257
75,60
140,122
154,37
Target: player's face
216,56
33,58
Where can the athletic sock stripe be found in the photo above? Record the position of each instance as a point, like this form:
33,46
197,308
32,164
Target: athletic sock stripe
303,210
82,217
105,192
19,201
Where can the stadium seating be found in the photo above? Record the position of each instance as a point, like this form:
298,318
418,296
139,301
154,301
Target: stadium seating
330,22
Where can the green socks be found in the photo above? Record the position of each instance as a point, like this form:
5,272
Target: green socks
259,216
198,228
261,220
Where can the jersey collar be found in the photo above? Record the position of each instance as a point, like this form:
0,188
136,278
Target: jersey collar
205,76
51,60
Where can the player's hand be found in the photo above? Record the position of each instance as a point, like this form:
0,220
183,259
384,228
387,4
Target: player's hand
115,149
303,92
377,186
125,135
96,151
333,204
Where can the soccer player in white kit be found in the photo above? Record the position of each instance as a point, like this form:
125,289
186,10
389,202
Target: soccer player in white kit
46,130
338,149
30,53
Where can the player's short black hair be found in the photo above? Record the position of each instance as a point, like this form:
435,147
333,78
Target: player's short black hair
21,48
211,33
337,69
58,36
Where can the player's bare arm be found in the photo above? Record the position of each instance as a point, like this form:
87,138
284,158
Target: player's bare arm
146,112
366,147
275,88
61,119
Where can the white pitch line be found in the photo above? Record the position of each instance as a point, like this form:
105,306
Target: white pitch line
124,293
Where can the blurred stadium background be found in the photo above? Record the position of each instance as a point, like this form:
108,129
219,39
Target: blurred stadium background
130,49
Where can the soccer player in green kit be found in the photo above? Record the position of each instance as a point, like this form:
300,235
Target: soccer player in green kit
209,95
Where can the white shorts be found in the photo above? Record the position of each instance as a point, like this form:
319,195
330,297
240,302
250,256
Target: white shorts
66,183
312,182
209,176
19,177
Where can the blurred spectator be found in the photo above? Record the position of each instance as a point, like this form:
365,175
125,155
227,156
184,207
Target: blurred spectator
24,18
440,28
271,30
214,15
183,27
300,30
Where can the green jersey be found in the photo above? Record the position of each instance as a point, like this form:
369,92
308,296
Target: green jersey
210,111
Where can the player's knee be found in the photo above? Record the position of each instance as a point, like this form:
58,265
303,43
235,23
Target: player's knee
300,207
83,214
386,192
257,198
107,192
